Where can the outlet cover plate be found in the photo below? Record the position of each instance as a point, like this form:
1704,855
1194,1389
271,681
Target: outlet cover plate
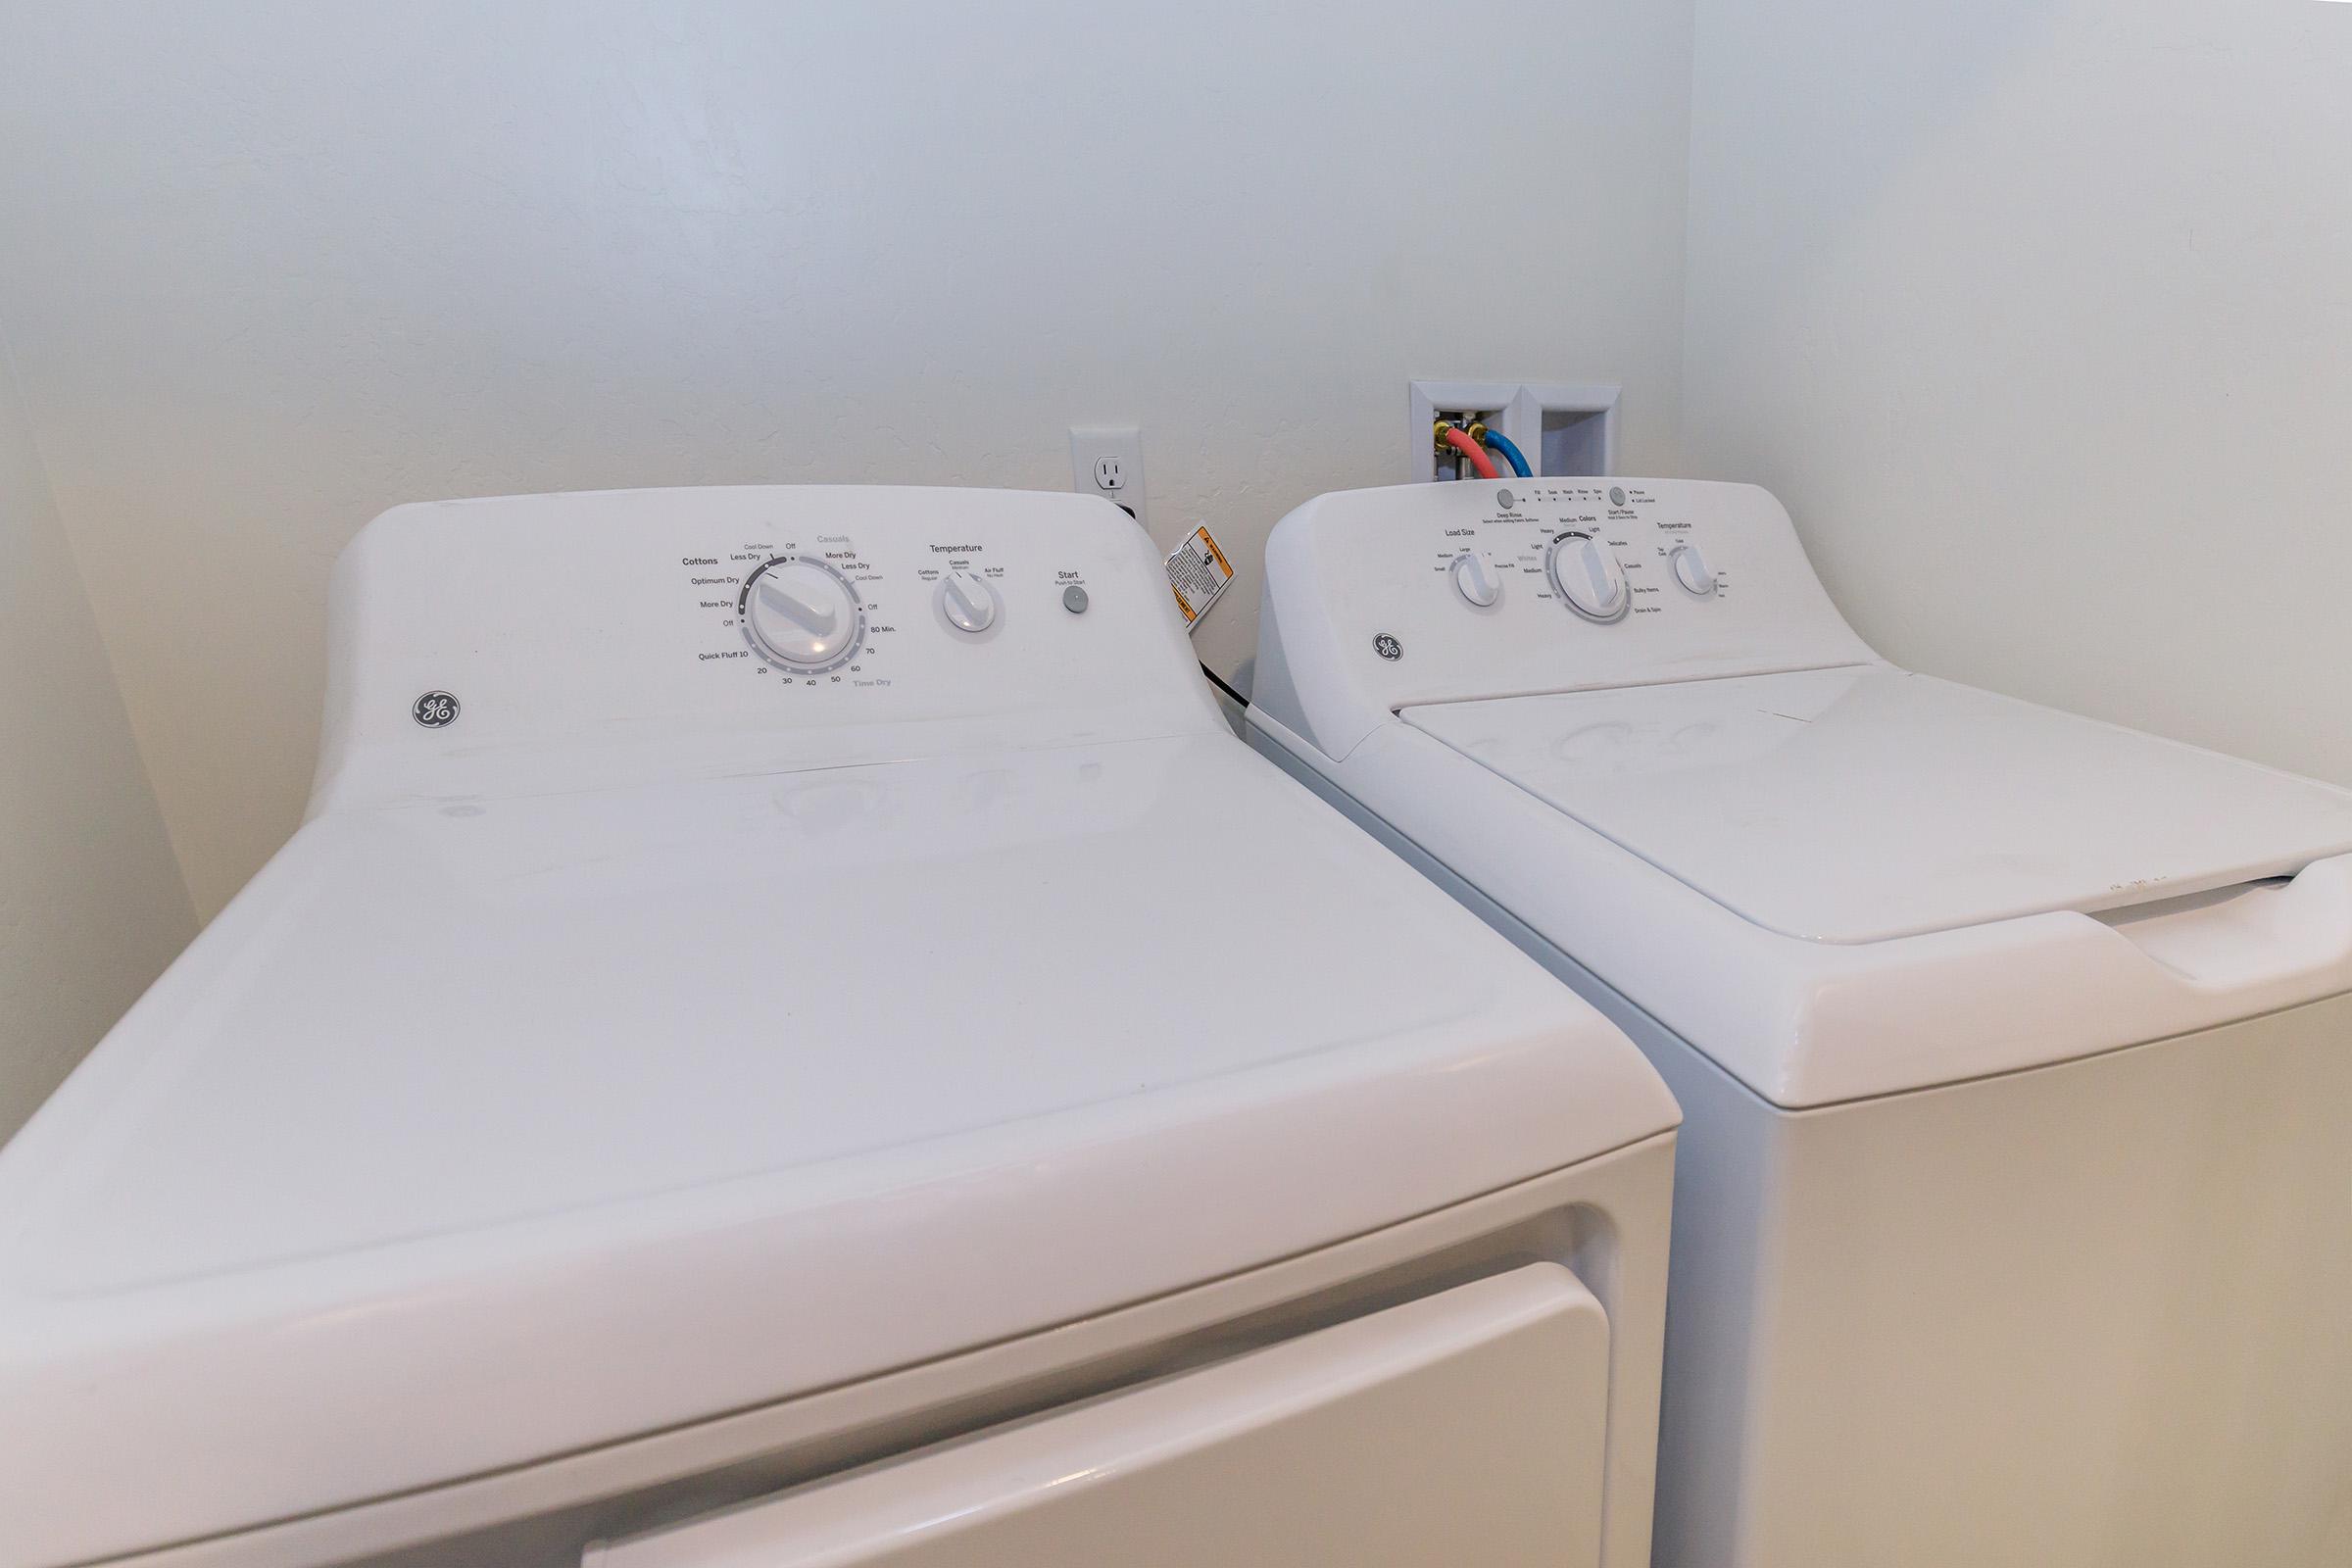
1108,461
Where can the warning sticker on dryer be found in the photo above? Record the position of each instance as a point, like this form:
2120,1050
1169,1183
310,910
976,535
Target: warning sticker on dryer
1198,572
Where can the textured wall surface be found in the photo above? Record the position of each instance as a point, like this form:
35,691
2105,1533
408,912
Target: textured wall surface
273,267
2038,317
91,905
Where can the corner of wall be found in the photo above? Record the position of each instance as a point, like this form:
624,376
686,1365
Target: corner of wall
93,901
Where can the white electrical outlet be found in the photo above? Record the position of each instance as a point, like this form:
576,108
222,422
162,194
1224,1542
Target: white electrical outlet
1108,461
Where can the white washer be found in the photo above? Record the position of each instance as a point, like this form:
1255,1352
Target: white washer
2015,1199
793,1001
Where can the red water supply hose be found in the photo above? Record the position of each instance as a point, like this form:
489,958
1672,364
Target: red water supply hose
1459,439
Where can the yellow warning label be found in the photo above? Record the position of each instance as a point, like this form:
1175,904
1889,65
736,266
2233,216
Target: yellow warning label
1198,572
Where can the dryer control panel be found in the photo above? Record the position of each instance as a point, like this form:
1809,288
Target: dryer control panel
530,643
1432,593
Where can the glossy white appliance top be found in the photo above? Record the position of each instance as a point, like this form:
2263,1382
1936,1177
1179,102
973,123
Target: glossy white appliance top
1662,749
727,1081
1862,804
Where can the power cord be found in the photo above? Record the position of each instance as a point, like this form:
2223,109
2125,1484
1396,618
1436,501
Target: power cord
1221,684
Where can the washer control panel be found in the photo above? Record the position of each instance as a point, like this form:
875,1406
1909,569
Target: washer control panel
754,626
1455,591
1599,552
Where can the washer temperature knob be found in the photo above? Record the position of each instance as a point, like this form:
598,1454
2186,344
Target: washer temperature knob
1692,571
1584,572
801,614
1474,580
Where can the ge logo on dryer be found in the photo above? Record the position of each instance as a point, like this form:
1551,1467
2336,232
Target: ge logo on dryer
1387,647
434,710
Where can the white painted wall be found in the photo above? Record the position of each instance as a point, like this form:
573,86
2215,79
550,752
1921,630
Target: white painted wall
2039,318
91,905
273,267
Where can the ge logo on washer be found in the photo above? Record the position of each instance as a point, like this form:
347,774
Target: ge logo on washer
1387,647
434,710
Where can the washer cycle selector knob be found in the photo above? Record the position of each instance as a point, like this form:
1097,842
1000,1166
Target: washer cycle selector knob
968,602
1584,572
1474,580
803,614
1692,571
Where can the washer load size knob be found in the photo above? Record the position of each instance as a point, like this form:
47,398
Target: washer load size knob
801,615
1474,580
1584,572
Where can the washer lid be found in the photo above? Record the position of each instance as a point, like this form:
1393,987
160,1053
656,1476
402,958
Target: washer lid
1858,805
473,1134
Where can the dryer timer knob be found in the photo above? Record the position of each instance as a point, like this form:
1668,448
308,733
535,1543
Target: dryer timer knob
803,614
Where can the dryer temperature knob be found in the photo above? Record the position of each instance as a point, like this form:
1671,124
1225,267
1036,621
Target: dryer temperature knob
967,601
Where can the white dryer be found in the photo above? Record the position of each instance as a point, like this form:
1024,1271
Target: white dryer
2014,1213
792,1006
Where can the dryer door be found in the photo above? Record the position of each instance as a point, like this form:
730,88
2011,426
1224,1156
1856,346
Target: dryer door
1462,1428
